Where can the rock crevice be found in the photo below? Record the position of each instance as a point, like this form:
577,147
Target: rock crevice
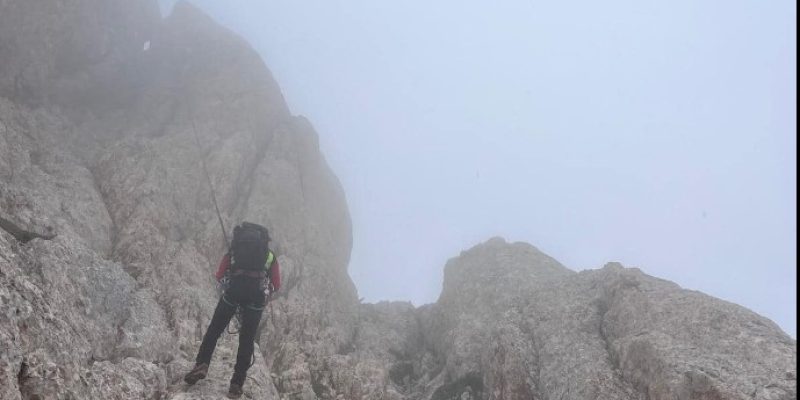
20,234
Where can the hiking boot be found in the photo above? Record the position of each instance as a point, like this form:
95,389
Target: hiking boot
235,391
198,372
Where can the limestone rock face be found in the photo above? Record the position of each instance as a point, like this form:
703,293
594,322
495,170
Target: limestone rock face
513,324
70,53
110,117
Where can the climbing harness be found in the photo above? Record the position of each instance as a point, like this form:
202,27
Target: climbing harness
238,317
224,284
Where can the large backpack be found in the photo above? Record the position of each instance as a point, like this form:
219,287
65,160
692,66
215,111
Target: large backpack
249,250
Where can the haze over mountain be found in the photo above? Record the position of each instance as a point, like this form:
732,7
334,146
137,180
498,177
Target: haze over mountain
660,135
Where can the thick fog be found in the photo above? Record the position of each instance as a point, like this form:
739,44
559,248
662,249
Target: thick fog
660,135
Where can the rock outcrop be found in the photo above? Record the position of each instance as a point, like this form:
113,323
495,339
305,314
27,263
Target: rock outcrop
108,114
522,326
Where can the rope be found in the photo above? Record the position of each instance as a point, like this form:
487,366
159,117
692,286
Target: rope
238,320
221,225
210,185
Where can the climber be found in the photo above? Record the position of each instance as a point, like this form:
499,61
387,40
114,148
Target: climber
253,276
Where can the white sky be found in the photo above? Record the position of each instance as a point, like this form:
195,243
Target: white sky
657,134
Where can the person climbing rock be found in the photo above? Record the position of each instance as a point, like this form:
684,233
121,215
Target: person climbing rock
253,275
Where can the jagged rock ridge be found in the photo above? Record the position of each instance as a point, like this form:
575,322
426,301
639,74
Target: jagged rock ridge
102,104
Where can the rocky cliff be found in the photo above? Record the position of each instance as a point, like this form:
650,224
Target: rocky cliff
107,113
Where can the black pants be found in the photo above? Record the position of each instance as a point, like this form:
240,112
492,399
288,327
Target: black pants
244,293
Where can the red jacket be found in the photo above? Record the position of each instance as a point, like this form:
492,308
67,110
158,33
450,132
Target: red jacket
274,271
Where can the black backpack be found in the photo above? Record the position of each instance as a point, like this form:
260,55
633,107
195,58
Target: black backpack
249,248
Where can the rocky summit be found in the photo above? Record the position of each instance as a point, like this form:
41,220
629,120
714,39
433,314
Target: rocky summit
109,237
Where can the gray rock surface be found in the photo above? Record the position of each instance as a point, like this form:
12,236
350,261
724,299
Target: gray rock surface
107,112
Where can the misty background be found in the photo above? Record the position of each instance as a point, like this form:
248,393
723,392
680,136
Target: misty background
660,135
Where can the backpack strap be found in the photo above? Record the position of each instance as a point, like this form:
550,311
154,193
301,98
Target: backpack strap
270,258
